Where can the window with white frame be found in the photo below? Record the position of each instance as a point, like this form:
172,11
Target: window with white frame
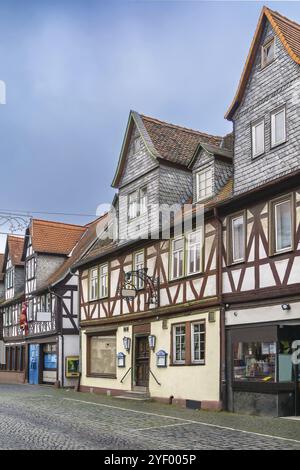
93,283
143,201
258,138
194,252
138,264
30,268
198,342
179,343
237,231
103,272
133,205
177,260
282,225
268,53
204,183
278,127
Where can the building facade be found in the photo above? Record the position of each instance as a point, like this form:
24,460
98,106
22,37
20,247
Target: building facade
152,343
261,225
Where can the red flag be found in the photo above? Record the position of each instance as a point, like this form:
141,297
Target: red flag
23,318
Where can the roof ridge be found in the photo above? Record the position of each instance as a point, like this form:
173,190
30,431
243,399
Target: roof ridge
284,18
186,129
53,222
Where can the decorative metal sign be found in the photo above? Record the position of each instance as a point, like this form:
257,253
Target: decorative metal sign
129,291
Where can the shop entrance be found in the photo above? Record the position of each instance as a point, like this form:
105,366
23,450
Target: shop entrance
49,373
34,355
142,361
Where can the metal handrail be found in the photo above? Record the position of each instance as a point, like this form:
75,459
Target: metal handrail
158,383
125,374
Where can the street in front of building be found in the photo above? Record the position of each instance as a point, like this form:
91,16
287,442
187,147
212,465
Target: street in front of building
39,417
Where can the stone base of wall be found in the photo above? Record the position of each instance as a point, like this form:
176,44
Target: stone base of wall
101,391
9,377
204,405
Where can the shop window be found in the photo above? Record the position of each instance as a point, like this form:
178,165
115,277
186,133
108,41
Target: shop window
102,355
255,361
50,356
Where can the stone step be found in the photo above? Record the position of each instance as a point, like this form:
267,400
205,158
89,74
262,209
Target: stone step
135,395
126,397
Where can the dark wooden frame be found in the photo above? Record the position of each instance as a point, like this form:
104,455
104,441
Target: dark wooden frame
188,343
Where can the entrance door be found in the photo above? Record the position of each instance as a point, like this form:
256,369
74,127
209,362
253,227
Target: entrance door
34,354
142,358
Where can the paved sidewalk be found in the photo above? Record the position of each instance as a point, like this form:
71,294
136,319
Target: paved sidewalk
33,417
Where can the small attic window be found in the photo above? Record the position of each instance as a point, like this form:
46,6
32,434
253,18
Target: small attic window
267,53
204,185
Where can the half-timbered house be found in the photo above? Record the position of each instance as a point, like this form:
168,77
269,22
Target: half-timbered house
13,350
38,278
164,341
261,225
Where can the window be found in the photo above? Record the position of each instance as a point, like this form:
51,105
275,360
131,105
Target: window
268,53
132,205
138,260
237,234
254,361
179,343
258,138
102,355
282,225
198,342
194,252
143,201
278,127
30,268
104,280
93,283
177,258
204,183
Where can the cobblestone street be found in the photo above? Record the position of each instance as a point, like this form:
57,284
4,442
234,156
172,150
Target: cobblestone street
45,418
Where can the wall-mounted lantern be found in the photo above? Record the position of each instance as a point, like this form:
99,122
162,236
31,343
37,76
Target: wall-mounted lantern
121,359
161,358
152,341
126,343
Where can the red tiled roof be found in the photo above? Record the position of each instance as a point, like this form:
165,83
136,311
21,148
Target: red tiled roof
88,237
15,249
54,237
289,34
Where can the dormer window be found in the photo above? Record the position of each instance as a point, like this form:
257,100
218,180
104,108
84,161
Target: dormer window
204,183
268,53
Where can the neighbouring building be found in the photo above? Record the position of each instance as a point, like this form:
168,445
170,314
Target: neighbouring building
37,272
261,225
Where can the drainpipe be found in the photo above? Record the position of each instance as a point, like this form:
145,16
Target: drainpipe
223,365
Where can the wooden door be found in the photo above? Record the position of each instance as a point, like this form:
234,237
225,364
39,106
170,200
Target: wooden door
142,360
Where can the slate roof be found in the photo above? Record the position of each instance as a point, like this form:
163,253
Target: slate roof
164,141
54,237
288,32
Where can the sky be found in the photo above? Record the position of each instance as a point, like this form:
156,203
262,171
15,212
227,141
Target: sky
73,69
